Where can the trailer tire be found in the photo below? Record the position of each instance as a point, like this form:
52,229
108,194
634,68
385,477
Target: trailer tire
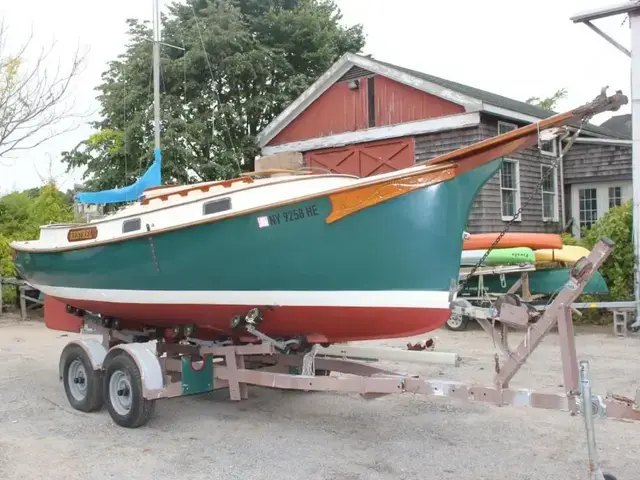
82,384
123,394
608,476
457,323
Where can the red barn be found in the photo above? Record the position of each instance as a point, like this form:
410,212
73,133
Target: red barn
366,117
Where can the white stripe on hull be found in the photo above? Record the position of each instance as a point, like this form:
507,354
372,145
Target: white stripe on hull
342,298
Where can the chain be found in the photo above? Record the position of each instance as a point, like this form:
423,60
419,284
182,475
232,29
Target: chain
554,165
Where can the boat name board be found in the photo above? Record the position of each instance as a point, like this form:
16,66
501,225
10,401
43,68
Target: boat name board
288,216
80,234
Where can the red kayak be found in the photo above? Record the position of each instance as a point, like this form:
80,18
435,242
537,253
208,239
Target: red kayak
535,241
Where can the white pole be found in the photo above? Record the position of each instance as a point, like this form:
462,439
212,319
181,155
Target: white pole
156,75
634,23
157,152
389,353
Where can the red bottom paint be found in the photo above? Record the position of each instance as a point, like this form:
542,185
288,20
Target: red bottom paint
337,324
57,318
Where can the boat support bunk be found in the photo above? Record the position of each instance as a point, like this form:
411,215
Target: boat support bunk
127,373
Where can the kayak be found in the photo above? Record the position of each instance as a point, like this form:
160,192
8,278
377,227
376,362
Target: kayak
568,254
543,282
499,256
534,241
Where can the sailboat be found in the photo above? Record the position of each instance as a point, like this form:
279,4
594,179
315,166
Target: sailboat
326,257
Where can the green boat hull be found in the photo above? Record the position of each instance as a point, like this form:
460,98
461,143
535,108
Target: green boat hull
362,276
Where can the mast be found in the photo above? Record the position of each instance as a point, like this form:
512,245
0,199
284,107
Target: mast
156,81
153,176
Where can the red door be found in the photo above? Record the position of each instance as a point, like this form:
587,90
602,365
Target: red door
365,159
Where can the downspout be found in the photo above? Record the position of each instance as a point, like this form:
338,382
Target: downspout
563,212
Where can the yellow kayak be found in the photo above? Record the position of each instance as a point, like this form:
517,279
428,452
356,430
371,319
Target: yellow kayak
568,254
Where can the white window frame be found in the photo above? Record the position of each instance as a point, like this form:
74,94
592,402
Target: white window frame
556,206
602,196
598,207
554,150
509,126
507,218
609,198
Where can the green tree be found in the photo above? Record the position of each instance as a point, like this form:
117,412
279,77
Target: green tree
244,61
549,103
618,269
617,225
14,214
22,214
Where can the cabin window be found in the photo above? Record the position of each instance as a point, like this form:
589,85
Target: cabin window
549,193
131,225
510,189
588,207
216,206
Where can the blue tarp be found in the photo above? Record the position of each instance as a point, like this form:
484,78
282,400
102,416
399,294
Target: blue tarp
151,178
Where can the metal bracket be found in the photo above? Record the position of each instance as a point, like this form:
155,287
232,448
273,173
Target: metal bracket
282,346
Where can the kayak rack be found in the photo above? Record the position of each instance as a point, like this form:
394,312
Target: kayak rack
463,310
623,311
129,370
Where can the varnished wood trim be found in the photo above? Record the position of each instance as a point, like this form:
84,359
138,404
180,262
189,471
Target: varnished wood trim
274,171
352,201
160,187
183,192
81,234
494,143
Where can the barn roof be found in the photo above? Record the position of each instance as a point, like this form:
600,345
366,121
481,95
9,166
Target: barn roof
471,98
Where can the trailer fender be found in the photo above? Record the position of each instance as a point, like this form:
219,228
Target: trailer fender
148,364
94,350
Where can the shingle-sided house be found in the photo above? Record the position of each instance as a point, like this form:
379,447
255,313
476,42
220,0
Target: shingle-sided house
366,117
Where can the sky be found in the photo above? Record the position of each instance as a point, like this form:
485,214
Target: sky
511,47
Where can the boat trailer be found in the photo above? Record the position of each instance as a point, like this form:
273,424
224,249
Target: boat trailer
128,371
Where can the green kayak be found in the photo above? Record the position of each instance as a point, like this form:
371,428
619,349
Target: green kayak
498,256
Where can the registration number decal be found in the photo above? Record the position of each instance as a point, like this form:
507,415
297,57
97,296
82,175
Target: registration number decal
288,216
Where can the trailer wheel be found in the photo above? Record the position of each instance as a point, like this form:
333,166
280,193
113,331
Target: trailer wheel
457,323
123,392
82,384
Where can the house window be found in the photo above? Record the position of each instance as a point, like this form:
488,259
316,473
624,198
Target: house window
588,207
549,147
615,196
131,225
549,193
504,127
510,189
216,206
